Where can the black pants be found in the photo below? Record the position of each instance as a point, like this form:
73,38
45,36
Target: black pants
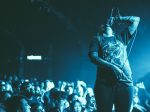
118,94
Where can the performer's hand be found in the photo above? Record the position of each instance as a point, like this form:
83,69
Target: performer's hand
118,72
117,19
110,21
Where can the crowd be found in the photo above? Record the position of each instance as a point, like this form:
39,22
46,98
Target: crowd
22,95
45,96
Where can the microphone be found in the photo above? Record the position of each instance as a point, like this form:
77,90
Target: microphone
111,18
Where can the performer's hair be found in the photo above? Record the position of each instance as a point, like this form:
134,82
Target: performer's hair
102,28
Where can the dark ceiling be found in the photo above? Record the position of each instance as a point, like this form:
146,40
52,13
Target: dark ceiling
32,22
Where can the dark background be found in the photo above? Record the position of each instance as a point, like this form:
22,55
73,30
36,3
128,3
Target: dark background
60,31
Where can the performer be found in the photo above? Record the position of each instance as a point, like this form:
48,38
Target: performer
114,84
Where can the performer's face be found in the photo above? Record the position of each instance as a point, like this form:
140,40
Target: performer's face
108,30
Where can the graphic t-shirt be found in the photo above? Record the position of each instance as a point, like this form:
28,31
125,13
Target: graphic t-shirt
114,50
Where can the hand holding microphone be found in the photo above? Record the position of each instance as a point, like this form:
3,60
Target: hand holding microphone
115,18
110,21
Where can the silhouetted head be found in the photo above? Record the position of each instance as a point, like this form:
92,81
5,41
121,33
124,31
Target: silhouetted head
17,104
105,29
